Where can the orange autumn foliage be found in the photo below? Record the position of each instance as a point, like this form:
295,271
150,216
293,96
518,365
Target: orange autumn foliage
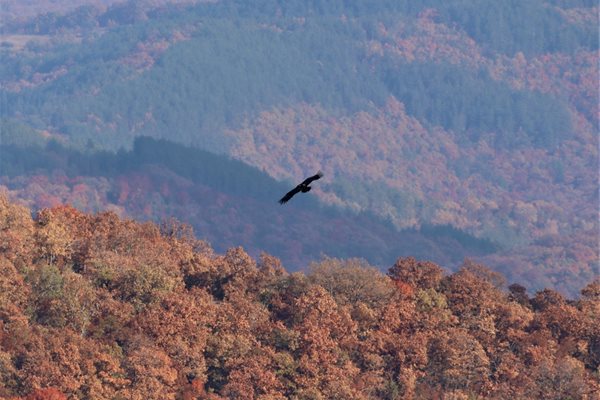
104,308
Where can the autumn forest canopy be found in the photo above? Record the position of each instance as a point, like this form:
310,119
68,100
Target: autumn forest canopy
94,306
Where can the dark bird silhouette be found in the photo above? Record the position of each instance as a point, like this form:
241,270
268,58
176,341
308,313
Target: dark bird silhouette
303,187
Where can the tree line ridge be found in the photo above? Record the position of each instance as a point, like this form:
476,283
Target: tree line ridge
95,306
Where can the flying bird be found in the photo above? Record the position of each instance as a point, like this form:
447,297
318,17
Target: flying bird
303,187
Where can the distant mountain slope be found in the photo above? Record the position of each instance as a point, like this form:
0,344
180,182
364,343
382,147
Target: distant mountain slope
539,205
17,11
186,73
21,10
227,202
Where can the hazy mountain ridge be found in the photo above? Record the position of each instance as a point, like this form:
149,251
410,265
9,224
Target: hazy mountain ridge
15,13
227,202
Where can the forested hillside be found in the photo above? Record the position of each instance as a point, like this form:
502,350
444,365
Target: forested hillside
228,203
98,307
472,118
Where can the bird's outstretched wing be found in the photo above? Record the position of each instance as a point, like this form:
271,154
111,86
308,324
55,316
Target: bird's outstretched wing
289,195
308,180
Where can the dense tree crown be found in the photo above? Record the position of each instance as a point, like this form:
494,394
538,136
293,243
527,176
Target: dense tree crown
98,307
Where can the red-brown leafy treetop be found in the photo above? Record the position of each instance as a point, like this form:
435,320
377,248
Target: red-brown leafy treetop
98,307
